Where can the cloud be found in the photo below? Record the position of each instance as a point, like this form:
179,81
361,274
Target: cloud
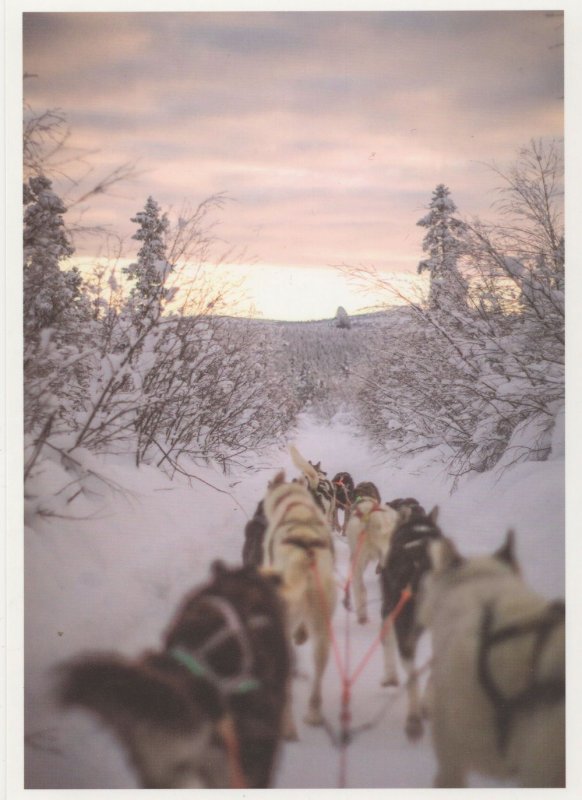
330,130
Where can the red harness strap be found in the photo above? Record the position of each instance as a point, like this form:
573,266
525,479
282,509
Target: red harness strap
361,514
227,730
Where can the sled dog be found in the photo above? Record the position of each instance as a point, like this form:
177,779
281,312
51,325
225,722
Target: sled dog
298,546
206,710
498,670
407,562
320,487
343,490
369,531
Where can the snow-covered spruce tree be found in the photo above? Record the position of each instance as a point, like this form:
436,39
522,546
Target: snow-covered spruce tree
56,311
151,269
444,244
51,295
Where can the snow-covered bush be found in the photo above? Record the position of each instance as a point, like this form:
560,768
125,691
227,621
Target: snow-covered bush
163,377
483,372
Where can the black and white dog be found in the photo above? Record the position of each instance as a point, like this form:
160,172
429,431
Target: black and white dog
343,489
320,487
408,560
206,710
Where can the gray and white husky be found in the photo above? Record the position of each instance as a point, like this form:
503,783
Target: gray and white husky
497,693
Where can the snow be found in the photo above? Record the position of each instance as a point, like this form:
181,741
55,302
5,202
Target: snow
108,568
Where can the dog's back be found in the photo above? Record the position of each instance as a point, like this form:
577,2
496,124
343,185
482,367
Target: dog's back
366,490
343,486
298,545
498,670
408,561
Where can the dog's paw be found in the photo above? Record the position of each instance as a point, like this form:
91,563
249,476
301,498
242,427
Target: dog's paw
300,635
413,727
291,735
362,619
313,717
391,680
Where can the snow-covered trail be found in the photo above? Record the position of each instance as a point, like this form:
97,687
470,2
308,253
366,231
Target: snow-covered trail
111,578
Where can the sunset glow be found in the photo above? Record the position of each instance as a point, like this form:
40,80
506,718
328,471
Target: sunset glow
325,132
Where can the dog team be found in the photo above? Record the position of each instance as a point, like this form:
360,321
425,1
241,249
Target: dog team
210,707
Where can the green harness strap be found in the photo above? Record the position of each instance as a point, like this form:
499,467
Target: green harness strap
186,659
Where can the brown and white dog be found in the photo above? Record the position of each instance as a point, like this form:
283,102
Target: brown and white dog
298,545
498,676
369,532
206,710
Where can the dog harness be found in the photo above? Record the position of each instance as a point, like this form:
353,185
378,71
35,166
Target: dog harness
537,692
323,491
195,661
346,489
365,515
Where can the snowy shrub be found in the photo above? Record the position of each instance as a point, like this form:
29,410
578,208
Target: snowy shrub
481,368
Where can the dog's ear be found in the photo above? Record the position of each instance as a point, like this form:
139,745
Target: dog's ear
433,515
444,555
405,512
218,568
277,480
506,552
121,692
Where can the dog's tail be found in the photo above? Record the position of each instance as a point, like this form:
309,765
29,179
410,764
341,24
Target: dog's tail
301,463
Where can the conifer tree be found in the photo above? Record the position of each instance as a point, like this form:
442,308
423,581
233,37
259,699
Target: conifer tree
151,269
444,245
53,297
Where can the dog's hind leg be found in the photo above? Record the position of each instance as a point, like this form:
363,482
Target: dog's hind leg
288,727
321,655
347,601
360,593
389,651
448,750
414,717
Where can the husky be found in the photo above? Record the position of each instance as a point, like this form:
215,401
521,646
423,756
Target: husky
206,710
343,490
498,678
320,487
369,531
407,562
298,545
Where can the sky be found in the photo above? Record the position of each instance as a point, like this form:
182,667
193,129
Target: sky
326,131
